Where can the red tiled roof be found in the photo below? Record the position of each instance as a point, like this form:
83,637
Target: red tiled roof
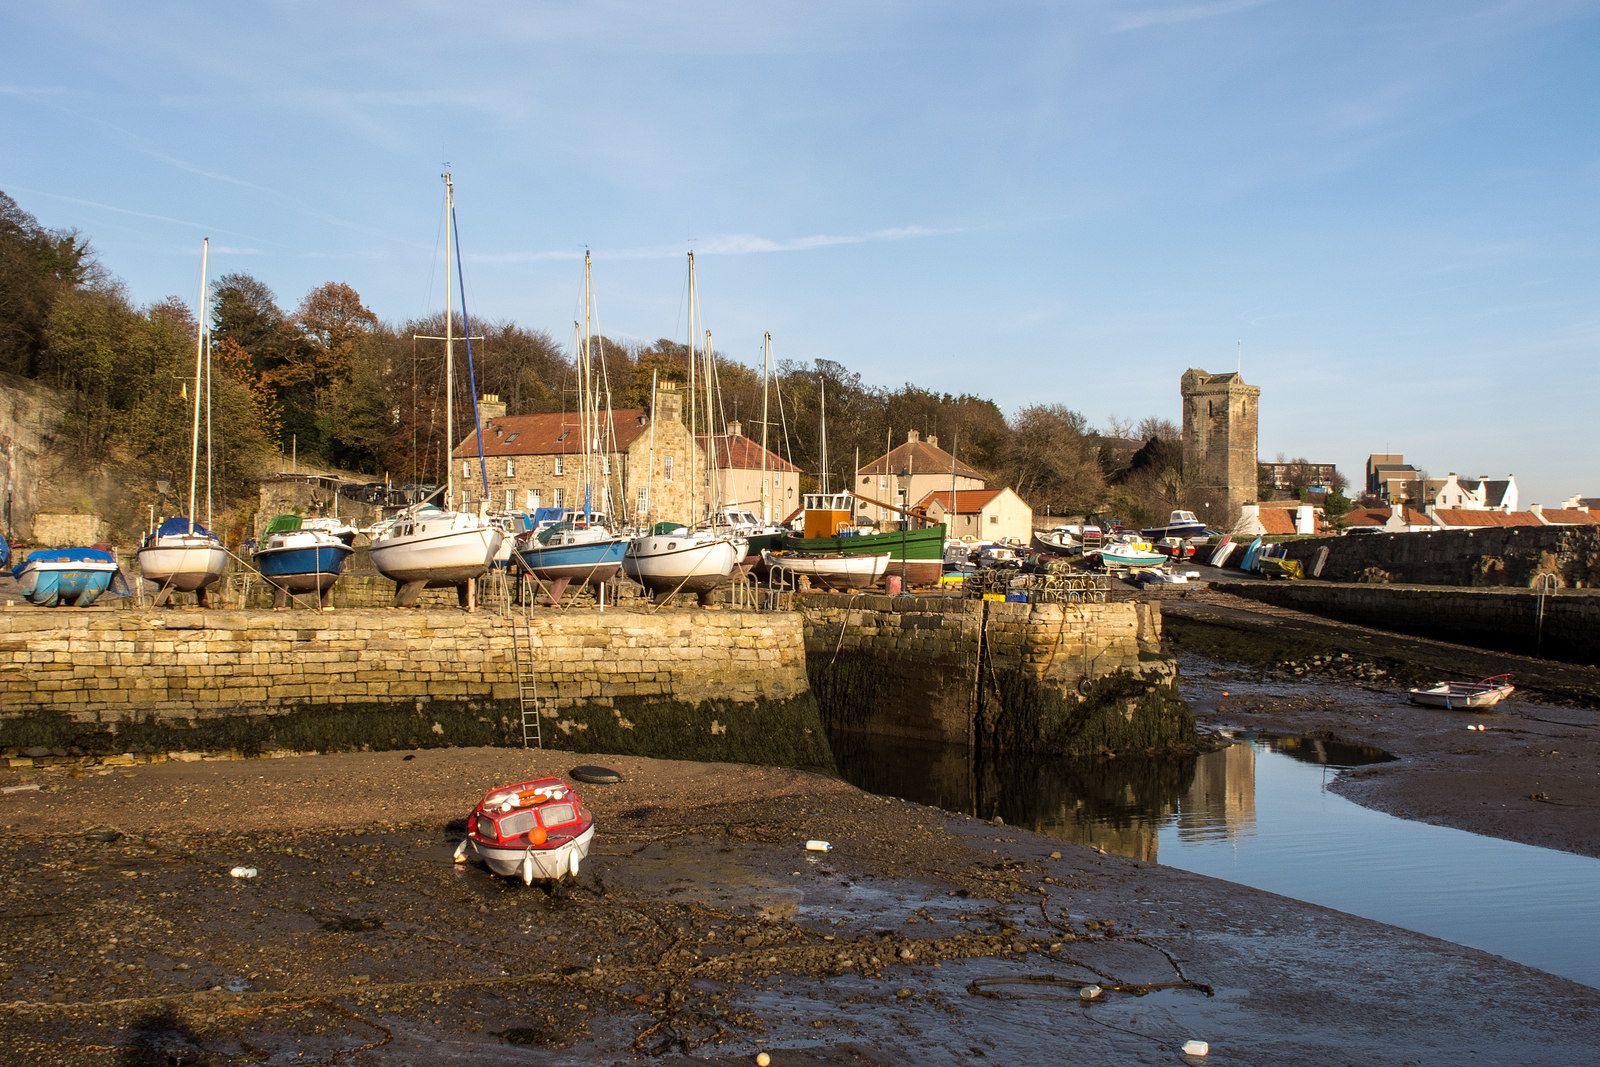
1380,516
968,501
553,434
1276,521
918,457
738,452
1569,517
1469,517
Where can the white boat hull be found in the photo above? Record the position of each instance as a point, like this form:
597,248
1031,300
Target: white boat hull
442,549
834,572
674,563
1455,697
549,864
185,563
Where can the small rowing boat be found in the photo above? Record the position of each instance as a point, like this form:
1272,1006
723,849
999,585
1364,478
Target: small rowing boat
1484,694
538,829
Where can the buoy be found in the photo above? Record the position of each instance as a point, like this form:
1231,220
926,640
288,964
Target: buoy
818,846
461,852
762,1059
527,870
244,872
1196,1048
572,864
1089,992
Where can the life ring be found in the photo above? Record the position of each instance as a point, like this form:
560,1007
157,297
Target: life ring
1085,686
595,775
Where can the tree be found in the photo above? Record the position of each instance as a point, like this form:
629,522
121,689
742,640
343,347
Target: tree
36,267
1050,458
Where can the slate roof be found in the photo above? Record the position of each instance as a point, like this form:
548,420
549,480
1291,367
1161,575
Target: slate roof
553,434
968,501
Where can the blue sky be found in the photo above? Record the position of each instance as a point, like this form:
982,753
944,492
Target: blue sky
1394,206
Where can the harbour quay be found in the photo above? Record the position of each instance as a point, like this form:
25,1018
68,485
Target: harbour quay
727,684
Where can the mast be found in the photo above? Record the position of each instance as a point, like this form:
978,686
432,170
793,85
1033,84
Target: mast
713,487
822,409
590,417
449,350
694,439
766,369
199,356
650,462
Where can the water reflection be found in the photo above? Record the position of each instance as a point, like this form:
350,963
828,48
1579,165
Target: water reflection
1259,813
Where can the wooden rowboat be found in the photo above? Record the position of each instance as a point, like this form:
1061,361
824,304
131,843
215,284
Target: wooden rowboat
1484,694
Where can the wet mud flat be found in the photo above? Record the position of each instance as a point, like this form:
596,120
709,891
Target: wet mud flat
1531,775
701,930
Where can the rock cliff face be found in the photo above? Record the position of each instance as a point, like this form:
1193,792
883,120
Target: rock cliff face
29,414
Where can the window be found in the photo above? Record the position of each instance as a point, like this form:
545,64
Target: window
533,500
883,482
556,496
994,520
509,499
666,469
466,469
644,499
605,464
561,465
511,468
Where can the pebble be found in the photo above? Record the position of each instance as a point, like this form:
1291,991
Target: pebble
1055,855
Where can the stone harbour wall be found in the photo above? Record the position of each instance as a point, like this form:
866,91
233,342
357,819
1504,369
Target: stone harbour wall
690,684
1563,625
1495,556
1023,677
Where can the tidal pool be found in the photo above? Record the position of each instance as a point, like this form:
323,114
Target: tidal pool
1259,813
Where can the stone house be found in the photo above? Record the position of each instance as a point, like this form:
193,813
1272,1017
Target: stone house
739,467
906,474
641,470
981,514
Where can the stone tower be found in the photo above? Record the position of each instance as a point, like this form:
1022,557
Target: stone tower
1219,444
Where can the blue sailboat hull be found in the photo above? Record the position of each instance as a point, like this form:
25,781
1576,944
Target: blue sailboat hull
310,569
78,577
595,562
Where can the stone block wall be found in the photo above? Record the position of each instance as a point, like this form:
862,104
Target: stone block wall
1505,620
1496,556
970,672
671,683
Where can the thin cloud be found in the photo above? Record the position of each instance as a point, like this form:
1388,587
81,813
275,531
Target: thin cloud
736,244
1167,16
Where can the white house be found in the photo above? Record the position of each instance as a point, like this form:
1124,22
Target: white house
981,514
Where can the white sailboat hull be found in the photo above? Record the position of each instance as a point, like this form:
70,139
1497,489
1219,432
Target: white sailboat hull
668,563
832,571
442,549
186,563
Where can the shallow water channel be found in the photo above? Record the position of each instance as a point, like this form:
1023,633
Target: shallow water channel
1259,813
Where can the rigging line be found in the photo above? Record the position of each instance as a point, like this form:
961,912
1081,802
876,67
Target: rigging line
472,380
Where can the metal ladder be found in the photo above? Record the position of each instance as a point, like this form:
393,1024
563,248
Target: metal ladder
527,680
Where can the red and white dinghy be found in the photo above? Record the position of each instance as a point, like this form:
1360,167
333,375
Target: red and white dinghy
538,829
1484,694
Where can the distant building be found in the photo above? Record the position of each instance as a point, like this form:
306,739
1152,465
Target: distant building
536,461
1282,476
1388,475
739,468
1396,518
1263,519
1479,518
1564,516
907,473
981,514
1220,444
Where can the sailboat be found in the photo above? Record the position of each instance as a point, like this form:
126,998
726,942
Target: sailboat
180,555
672,558
298,557
428,546
580,548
